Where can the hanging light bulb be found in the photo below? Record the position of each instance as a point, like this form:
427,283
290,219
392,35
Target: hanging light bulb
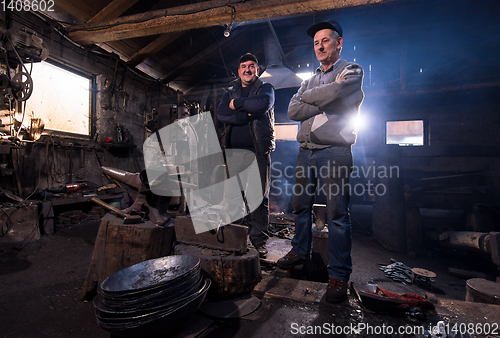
227,32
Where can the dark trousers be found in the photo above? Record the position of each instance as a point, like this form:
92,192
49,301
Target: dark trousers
325,172
258,219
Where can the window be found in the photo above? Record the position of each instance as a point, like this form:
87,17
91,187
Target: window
286,131
60,98
405,133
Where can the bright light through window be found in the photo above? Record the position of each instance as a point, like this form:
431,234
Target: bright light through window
405,133
60,98
305,76
286,131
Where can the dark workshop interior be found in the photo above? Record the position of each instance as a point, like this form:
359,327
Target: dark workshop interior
87,84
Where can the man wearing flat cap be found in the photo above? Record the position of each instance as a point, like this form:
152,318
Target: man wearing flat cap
247,111
326,105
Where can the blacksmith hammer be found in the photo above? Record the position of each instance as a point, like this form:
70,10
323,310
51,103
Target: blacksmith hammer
127,219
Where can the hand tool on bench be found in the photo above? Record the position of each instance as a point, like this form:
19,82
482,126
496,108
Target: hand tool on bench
127,219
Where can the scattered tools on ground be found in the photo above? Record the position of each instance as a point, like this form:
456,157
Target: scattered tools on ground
281,225
281,231
399,272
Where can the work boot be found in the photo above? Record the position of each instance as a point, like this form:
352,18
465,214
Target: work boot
336,290
289,261
261,249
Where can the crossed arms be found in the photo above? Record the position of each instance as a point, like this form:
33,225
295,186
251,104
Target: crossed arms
241,110
307,103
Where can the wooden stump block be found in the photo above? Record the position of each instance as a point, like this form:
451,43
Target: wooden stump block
480,290
230,237
231,274
119,246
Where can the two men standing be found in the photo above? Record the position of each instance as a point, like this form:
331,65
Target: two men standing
326,106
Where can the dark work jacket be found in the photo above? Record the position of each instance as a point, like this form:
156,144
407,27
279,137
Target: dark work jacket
261,123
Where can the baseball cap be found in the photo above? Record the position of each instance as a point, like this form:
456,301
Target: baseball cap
248,57
334,25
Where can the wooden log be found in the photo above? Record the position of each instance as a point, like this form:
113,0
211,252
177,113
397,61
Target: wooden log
467,274
231,237
466,240
119,246
231,274
480,290
199,15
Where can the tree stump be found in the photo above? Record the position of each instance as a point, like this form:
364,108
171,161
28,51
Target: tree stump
119,246
480,290
231,274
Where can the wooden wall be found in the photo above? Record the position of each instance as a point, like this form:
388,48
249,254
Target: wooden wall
120,95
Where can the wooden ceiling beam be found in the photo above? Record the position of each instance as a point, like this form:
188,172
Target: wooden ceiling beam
113,10
80,10
154,47
122,49
198,15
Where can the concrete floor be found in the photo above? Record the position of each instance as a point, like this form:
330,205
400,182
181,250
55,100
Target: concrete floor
40,294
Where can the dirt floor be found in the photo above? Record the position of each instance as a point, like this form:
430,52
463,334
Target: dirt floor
40,293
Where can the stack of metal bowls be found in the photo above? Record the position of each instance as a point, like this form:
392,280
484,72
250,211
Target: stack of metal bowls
151,298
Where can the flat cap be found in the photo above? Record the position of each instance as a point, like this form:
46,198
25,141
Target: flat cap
334,25
248,57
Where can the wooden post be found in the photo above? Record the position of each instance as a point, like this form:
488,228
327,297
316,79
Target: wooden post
119,246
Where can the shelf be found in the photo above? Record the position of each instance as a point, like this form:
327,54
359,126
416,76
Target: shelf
80,199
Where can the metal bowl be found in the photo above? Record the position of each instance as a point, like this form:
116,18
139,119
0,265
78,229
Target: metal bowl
157,323
157,301
149,274
140,316
165,293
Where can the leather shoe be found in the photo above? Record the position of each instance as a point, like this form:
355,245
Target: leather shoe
261,249
336,290
289,261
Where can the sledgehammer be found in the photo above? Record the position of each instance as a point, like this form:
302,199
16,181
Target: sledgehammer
127,219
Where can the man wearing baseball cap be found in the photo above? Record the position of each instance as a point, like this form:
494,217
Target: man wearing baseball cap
247,111
326,105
